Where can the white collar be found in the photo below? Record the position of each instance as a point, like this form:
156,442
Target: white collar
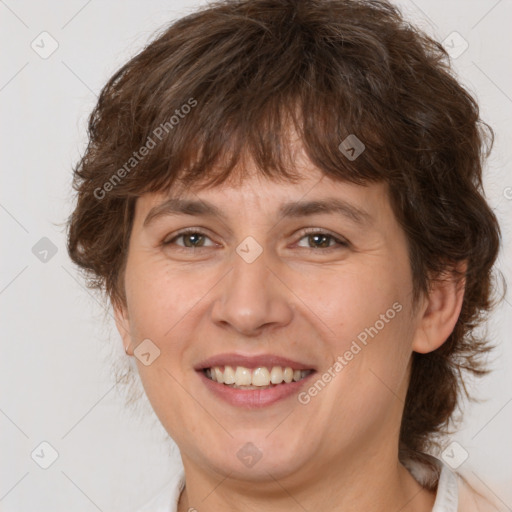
447,494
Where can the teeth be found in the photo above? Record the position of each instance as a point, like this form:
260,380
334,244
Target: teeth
243,376
260,377
276,375
229,374
288,374
255,378
218,375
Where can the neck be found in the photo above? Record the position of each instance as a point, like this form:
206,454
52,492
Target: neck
374,487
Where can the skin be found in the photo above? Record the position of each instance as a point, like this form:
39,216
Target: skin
338,452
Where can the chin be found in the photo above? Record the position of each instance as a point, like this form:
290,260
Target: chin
256,456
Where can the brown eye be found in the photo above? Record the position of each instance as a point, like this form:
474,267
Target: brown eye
195,239
192,239
321,240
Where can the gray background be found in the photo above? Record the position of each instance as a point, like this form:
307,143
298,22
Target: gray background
55,380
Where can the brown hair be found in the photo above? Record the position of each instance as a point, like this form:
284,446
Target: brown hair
228,81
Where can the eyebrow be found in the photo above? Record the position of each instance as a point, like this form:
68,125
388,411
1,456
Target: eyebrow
294,209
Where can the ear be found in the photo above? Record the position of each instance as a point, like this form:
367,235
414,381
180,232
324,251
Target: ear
123,326
440,311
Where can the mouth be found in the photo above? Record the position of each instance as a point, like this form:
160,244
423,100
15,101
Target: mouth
253,381
261,377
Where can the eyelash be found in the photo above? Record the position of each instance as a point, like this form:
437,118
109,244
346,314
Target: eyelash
341,242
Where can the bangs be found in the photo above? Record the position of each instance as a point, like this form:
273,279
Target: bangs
200,117
204,149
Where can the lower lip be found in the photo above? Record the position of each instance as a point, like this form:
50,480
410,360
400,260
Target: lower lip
254,398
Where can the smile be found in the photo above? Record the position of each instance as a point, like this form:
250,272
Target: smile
255,378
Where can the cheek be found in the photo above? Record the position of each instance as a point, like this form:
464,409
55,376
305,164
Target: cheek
363,312
157,298
346,302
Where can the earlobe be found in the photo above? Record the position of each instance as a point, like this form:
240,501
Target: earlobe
441,311
123,327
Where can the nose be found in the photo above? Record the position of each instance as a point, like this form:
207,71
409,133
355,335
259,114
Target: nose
252,298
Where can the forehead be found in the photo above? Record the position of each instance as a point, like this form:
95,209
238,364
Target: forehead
313,192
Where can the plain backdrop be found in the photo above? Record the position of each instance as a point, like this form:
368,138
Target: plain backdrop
56,385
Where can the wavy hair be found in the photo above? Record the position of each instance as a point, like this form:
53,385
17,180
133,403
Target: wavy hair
226,82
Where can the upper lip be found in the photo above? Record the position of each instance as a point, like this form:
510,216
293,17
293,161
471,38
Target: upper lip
266,360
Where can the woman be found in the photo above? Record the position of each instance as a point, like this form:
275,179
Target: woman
283,201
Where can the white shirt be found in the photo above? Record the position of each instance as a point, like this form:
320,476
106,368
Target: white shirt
447,496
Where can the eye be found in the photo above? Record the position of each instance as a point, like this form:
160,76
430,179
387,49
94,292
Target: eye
321,240
193,239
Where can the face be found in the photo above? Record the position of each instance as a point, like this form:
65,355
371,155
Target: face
327,290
